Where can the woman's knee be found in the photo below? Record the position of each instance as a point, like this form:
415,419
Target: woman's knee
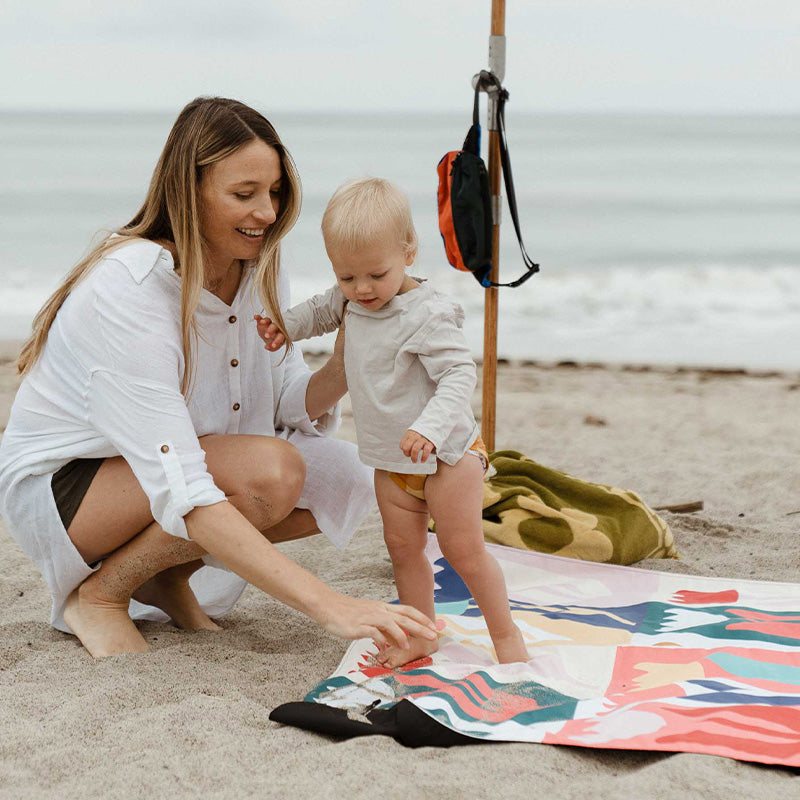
277,475
263,476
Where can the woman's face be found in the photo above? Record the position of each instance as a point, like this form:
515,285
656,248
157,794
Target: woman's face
239,201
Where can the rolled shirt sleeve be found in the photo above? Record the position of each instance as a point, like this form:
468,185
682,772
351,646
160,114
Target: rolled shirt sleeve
150,426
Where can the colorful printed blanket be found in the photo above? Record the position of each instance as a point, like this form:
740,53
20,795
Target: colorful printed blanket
620,658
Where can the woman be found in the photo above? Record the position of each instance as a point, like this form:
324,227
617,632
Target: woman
152,433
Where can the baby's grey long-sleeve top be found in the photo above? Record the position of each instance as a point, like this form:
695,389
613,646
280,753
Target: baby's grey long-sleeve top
408,367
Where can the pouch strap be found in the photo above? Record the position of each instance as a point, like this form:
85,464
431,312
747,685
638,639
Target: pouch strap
472,142
505,160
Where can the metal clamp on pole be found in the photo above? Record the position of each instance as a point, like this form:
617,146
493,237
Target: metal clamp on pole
497,209
489,82
497,66
497,56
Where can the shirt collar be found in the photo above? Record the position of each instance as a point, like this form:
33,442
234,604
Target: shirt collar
141,256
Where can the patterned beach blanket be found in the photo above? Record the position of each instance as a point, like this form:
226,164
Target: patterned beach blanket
530,506
620,658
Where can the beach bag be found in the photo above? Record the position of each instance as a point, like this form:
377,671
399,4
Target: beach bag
465,202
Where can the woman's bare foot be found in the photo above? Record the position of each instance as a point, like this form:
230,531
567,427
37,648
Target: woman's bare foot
103,627
511,647
170,591
394,656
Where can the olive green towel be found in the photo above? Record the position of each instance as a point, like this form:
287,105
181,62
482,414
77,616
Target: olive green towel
533,507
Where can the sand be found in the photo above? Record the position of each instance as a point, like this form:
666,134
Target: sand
189,719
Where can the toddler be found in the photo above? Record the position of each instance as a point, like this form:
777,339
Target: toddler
410,377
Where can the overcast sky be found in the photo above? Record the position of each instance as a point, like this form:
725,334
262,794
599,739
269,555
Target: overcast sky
580,55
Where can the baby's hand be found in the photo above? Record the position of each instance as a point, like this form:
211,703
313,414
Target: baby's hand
415,443
270,333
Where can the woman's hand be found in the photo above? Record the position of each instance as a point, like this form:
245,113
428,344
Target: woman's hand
385,623
221,530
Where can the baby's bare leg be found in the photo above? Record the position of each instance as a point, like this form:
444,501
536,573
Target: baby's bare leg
405,527
454,495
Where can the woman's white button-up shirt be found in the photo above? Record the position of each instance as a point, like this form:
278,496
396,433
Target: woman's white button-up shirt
108,384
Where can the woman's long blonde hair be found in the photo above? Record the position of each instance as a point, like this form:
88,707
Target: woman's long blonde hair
206,131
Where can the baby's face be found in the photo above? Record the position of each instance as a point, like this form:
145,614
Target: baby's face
372,275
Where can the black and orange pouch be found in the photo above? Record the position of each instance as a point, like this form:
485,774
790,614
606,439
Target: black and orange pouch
465,203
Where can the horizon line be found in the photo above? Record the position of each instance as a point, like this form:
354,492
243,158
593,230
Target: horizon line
361,112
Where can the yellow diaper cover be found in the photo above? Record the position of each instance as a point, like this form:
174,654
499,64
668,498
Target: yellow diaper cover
415,484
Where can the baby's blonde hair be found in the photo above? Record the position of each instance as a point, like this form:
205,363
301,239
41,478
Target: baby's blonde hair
365,210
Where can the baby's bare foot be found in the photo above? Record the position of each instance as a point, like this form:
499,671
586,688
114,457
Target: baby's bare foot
170,591
394,656
511,647
104,628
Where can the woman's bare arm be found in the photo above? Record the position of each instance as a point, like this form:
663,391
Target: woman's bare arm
328,384
225,533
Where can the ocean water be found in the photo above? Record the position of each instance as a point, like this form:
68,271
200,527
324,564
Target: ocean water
662,239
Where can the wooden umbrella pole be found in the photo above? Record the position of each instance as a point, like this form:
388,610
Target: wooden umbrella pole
496,65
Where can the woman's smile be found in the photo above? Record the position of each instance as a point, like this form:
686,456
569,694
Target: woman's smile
252,233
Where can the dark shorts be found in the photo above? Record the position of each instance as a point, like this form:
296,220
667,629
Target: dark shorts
70,485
